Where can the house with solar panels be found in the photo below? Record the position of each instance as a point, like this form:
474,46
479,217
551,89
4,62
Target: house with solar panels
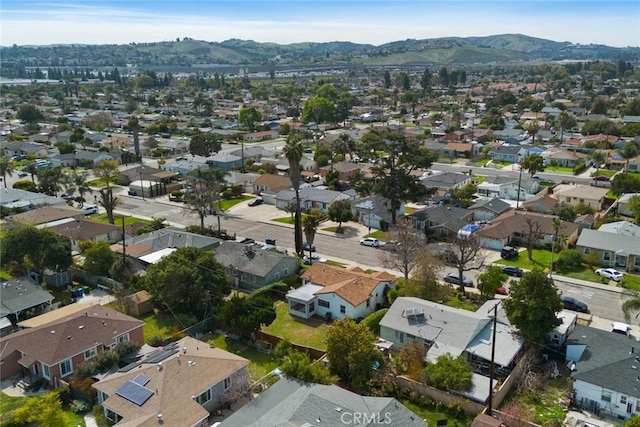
179,384
55,343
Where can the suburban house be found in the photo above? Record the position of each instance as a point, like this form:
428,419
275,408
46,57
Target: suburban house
345,170
440,221
90,158
47,216
291,402
543,203
179,384
506,187
487,209
245,180
23,148
224,161
373,210
447,330
20,295
261,135
313,198
506,153
337,292
613,248
562,157
184,165
460,149
85,229
604,372
445,181
623,204
617,162
574,194
510,228
53,349
251,267
268,185
15,198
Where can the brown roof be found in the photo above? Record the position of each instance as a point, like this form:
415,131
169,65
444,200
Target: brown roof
135,250
60,339
484,420
47,214
182,376
83,229
54,315
139,297
353,285
511,222
274,183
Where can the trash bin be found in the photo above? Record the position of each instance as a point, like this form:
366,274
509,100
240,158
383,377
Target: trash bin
87,290
80,292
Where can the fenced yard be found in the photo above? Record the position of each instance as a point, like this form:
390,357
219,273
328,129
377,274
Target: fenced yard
308,333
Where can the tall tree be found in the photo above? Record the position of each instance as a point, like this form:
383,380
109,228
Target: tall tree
107,171
134,126
188,282
351,351
98,258
293,153
52,181
449,373
310,224
319,109
203,191
532,129
533,164
532,306
466,254
6,169
204,144
395,159
248,117
29,113
628,152
598,158
245,315
406,249
490,280
425,81
78,182
634,206
565,121
340,211
531,233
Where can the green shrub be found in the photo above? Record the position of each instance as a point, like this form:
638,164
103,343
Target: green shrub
80,406
569,260
580,167
372,321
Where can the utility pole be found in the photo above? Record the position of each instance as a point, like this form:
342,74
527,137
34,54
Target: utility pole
493,354
519,187
124,254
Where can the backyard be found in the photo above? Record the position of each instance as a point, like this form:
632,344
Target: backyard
10,403
308,333
261,363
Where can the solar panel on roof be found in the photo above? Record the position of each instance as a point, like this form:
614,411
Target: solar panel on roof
141,380
129,367
134,393
160,355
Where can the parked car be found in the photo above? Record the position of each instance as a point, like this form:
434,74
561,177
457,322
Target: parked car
307,247
22,174
313,259
370,241
501,291
610,273
602,178
508,252
511,270
455,280
255,202
620,328
571,303
67,196
89,209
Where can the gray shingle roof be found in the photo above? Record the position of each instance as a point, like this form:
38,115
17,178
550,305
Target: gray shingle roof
291,402
494,205
608,241
259,262
21,294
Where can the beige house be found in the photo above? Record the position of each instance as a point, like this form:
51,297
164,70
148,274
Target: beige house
179,384
573,194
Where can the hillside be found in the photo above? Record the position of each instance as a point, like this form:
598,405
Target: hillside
196,53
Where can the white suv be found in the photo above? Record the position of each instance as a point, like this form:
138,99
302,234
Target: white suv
89,209
370,241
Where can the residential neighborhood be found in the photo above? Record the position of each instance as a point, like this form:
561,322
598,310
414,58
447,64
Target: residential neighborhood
404,245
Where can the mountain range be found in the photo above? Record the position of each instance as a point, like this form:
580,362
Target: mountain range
188,52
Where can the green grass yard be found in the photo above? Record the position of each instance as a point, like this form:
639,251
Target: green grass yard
227,204
605,172
10,403
334,230
128,220
559,169
284,220
261,363
309,333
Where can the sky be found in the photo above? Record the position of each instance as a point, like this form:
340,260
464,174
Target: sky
33,22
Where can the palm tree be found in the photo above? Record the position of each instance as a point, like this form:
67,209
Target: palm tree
532,129
32,169
631,304
6,169
565,121
311,223
78,182
293,153
598,158
134,126
628,152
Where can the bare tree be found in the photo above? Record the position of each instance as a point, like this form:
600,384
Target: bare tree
466,254
531,233
404,251
424,281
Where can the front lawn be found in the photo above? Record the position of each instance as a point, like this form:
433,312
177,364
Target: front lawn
284,220
604,172
261,363
100,183
541,259
128,220
227,204
338,230
378,234
479,163
559,169
309,333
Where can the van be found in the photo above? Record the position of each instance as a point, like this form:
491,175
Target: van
508,252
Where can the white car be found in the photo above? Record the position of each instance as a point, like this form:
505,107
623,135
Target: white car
370,241
89,209
308,260
620,328
610,273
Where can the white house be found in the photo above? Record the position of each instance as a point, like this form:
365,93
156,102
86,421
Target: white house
337,292
504,187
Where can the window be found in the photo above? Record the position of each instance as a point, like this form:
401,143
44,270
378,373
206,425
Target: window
623,400
368,302
66,368
582,201
277,277
400,336
227,383
568,199
312,307
203,398
606,256
286,272
343,309
606,396
324,304
45,371
88,354
586,251
122,338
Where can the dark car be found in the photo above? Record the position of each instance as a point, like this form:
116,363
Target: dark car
255,202
307,247
455,280
570,303
602,178
511,270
